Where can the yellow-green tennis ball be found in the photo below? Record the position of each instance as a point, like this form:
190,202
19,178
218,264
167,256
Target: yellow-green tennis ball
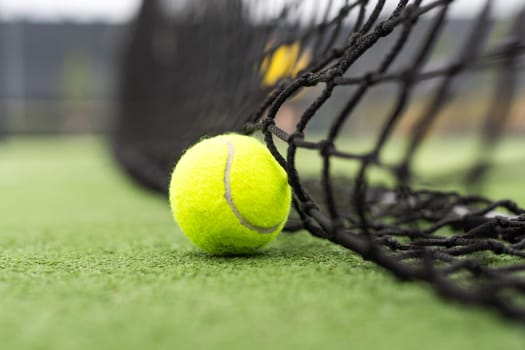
229,195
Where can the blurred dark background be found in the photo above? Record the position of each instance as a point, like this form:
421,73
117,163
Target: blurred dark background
58,77
59,64
59,68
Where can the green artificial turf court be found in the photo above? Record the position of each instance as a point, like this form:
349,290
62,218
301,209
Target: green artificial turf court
89,261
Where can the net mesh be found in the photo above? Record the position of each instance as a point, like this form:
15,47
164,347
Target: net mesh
467,247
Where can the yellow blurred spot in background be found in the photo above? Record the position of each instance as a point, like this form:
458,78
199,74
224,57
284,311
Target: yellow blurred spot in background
285,62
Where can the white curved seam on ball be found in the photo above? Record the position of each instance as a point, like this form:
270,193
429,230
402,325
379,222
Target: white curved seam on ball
229,198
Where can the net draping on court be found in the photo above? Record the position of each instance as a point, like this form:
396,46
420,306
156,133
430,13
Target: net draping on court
201,68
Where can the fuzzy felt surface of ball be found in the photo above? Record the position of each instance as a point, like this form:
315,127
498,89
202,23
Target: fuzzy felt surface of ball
229,195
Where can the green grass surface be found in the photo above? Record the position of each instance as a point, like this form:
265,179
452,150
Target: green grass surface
88,261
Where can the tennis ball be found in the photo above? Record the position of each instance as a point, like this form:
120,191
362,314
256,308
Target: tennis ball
229,195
